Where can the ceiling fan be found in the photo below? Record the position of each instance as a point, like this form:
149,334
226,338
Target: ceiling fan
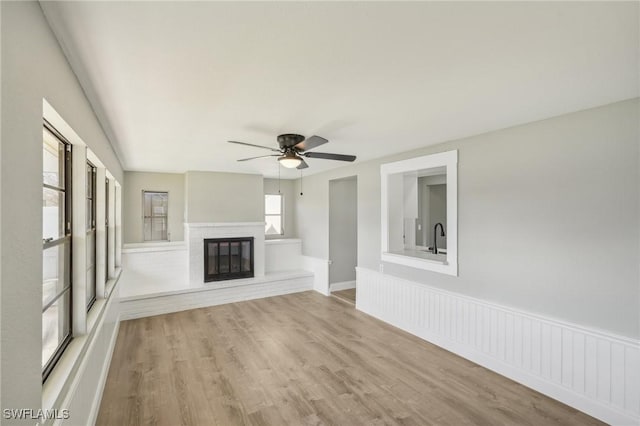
293,147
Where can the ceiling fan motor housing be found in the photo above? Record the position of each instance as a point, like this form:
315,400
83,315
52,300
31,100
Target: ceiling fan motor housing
288,140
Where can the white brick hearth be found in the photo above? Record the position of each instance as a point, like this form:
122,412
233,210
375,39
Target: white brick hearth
195,233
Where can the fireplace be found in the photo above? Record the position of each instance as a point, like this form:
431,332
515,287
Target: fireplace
228,258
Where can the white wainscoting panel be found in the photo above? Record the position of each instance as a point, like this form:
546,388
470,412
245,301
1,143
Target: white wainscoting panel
282,254
154,268
320,269
590,370
216,293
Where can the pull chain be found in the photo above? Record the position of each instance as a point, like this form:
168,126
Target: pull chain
279,178
300,181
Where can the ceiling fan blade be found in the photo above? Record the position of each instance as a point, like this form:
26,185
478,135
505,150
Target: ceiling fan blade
328,156
261,156
310,143
302,165
256,146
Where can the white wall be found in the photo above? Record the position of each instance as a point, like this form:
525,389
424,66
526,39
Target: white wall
343,231
548,217
33,68
223,197
134,184
409,208
288,191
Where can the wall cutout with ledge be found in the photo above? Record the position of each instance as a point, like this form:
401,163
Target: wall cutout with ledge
420,212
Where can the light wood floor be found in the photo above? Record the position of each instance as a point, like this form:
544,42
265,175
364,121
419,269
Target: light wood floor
303,359
348,295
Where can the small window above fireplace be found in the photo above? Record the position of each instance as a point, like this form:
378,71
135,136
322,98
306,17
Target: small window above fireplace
228,258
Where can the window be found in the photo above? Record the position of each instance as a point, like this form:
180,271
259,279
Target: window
155,205
56,247
273,214
91,235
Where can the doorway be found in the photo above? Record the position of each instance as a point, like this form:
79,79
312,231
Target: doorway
343,237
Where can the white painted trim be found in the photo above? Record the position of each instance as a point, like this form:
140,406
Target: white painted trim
448,159
153,247
221,224
111,234
157,304
272,278
320,269
111,284
63,384
79,240
118,224
101,235
52,116
283,241
416,262
104,372
591,370
343,285
384,211
418,163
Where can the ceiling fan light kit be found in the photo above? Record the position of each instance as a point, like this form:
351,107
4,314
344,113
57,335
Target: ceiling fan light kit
290,160
293,146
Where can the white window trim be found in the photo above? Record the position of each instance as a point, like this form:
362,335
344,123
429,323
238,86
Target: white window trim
144,191
282,230
448,159
84,324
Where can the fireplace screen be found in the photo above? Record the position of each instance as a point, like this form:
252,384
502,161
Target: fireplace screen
228,258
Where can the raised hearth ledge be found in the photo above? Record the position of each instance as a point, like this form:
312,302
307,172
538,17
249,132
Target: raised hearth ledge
152,246
283,241
269,285
221,224
240,282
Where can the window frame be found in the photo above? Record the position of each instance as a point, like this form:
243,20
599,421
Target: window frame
282,231
144,217
91,226
65,239
389,174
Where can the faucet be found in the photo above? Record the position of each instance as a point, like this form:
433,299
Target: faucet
435,236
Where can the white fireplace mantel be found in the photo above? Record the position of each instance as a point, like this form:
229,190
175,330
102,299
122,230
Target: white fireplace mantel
195,233
222,224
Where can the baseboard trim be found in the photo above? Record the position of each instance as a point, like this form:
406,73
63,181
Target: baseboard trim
343,285
593,371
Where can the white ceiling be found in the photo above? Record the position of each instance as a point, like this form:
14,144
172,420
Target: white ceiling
172,81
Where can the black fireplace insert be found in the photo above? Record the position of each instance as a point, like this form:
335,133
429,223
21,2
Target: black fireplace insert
228,258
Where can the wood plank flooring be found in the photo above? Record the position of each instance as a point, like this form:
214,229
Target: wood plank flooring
348,295
303,359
